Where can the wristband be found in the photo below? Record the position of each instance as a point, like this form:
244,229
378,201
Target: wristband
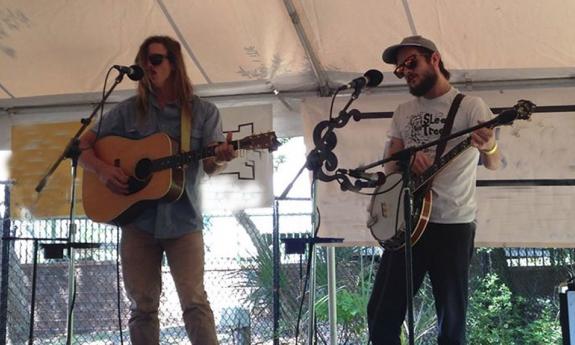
491,151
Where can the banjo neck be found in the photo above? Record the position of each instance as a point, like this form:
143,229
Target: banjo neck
437,166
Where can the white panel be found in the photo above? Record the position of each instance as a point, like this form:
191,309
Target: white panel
526,216
247,180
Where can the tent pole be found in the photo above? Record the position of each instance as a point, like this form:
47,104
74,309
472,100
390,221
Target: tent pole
318,71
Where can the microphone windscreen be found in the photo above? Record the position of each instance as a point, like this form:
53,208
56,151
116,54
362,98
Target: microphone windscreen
374,76
136,72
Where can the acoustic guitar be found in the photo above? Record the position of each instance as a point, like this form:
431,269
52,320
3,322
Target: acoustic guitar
155,171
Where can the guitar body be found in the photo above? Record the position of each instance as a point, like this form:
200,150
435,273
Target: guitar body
155,169
103,205
386,214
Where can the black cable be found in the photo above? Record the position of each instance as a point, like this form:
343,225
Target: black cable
307,275
101,111
102,108
316,230
118,292
331,105
72,304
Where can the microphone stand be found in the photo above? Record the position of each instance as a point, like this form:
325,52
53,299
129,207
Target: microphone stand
73,151
325,141
404,158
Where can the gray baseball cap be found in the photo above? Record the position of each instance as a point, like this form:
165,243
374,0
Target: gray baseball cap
390,54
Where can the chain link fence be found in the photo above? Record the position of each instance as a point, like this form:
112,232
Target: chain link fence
238,272
513,290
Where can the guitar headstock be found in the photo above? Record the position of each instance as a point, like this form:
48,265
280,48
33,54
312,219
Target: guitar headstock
267,141
524,109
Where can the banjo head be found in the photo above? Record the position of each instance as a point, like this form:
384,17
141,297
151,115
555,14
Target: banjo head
386,214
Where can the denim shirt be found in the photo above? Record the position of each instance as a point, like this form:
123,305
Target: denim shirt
168,219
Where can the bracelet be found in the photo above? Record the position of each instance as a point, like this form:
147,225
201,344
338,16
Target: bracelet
491,151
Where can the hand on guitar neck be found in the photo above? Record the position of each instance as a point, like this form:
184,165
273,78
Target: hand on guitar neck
223,152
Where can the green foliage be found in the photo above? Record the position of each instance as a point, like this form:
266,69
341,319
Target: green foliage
351,308
352,295
545,329
496,316
491,320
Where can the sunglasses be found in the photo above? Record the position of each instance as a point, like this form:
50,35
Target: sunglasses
156,59
409,63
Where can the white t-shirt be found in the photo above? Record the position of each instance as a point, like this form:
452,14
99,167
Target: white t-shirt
420,121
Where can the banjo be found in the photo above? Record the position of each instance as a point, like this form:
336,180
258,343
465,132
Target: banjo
386,220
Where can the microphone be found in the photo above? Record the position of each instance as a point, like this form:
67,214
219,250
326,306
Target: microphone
133,72
370,78
373,179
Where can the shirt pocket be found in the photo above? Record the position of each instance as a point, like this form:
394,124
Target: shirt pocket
197,136
138,131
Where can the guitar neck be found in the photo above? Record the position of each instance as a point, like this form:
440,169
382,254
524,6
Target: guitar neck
424,178
184,158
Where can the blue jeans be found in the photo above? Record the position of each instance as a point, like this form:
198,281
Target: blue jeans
444,251
141,256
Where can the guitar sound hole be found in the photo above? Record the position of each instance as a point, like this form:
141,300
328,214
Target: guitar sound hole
143,169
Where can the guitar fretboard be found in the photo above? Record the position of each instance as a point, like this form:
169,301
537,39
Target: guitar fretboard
187,157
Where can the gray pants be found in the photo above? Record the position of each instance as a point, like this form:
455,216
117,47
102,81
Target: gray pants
141,256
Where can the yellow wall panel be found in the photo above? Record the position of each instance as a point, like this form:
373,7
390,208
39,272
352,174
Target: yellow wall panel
35,148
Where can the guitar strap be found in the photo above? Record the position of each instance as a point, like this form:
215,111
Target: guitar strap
448,126
185,129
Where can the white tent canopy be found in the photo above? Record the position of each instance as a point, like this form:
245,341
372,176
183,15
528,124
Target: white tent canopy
253,48
54,54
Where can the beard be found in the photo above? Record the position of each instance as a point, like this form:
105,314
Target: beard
428,81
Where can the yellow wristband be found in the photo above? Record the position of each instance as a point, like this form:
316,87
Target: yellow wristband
492,151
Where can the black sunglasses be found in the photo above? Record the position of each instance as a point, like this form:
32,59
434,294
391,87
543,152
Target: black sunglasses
409,63
156,59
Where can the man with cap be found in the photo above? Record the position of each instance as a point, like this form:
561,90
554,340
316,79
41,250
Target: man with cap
445,248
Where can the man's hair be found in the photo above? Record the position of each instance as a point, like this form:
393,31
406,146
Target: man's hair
427,53
181,82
